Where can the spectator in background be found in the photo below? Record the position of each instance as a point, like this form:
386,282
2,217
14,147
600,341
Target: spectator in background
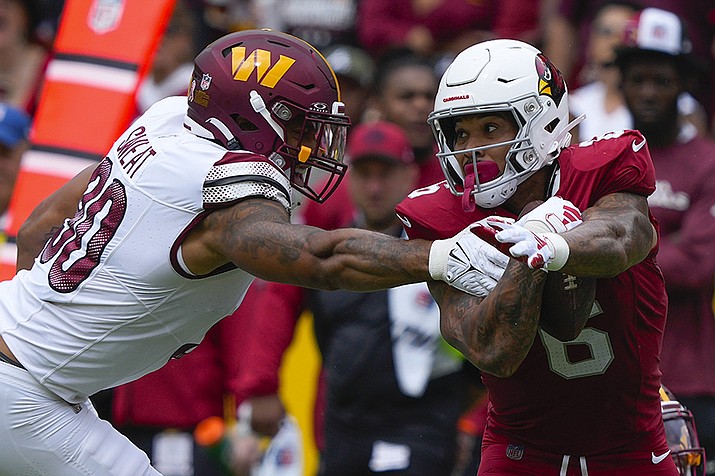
566,26
14,128
355,70
655,64
432,27
171,69
404,88
393,392
22,59
600,98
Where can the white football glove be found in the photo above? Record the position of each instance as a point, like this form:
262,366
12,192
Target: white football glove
555,215
467,262
547,251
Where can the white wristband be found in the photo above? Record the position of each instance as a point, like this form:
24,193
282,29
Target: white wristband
560,249
438,256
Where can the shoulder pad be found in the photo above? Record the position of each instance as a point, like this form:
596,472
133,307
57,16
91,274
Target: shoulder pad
245,174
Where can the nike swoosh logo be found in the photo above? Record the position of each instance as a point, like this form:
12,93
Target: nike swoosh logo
657,459
404,220
638,145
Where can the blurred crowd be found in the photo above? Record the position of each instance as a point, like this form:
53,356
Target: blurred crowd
388,56
567,31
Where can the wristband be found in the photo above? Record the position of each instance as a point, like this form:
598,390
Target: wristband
560,249
438,256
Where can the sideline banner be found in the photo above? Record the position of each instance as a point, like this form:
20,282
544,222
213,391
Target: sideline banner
103,49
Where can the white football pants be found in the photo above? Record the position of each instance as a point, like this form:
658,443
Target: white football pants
41,435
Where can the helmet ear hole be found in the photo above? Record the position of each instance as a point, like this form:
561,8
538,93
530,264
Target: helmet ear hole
551,126
243,123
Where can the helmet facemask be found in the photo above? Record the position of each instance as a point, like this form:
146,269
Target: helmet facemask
488,187
501,76
308,140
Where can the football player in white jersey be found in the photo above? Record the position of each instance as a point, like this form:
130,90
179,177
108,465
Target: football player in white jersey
165,235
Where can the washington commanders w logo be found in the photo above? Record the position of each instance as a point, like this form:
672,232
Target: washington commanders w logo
268,74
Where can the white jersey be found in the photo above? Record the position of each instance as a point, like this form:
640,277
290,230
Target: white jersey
108,299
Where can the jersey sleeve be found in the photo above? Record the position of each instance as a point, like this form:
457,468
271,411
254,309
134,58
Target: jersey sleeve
240,175
615,162
433,213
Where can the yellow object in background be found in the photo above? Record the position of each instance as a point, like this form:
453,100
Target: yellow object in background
299,381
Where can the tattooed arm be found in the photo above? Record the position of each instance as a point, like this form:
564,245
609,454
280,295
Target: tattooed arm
48,216
616,233
496,333
257,236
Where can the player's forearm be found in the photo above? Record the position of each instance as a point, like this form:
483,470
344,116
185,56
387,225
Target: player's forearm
494,334
360,260
349,258
615,235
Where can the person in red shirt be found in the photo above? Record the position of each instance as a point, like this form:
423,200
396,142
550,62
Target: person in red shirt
656,68
583,405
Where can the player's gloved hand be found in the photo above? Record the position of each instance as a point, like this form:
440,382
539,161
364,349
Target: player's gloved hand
467,263
555,215
548,251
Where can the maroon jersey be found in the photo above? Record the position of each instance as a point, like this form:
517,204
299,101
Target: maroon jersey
597,394
684,205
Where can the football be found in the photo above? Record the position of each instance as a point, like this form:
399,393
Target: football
566,301
566,304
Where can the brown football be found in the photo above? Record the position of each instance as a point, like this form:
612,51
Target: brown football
566,304
566,301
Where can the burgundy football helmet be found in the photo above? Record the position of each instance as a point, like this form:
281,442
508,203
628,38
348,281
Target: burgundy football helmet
273,94
682,436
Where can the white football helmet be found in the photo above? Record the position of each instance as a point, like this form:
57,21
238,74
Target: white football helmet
493,76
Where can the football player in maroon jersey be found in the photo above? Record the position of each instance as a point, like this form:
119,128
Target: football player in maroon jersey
589,403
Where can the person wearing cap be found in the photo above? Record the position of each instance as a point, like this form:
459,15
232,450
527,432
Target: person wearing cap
14,127
600,98
656,65
393,392
355,69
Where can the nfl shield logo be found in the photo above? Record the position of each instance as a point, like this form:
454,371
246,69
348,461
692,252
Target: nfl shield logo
105,15
205,81
515,452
